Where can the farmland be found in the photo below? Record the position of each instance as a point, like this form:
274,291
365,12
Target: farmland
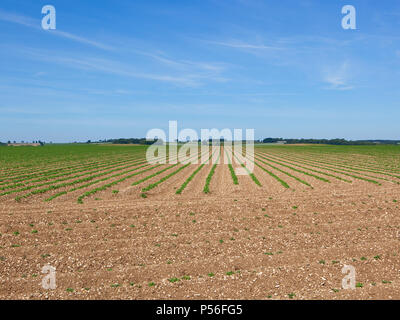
115,226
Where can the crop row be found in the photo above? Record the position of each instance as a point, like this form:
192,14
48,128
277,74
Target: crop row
285,172
231,170
354,170
313,170
82,171
151,186
251,174
69,178
96,181
78,181
282,182
343,173
40,172
36,168
206,188
109,185
190,178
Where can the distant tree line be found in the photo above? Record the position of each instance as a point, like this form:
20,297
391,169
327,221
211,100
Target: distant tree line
131,141
338,142
143,141
22,142
271,140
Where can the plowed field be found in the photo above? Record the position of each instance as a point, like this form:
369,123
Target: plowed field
117,227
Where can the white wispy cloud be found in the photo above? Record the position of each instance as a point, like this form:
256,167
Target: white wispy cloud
337,78
179,72
211,68
120,69
238,44
36,24
81,39
312,55
113,67
15,18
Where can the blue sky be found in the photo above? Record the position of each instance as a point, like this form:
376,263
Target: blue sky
120,68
